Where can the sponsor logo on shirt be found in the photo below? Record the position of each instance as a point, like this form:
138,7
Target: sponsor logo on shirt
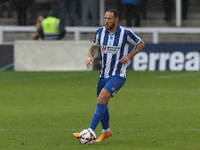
110,49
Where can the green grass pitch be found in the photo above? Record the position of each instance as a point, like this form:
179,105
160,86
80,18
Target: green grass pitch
152,111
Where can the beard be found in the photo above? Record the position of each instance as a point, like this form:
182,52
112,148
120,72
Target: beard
110,27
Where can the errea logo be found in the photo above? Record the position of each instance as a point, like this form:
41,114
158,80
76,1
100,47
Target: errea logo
175,61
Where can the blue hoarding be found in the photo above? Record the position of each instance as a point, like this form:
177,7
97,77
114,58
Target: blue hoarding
174,57
6,57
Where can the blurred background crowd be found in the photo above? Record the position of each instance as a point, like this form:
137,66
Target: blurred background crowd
86,12
72,13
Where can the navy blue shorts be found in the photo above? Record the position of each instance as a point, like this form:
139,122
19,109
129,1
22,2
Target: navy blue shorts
111,84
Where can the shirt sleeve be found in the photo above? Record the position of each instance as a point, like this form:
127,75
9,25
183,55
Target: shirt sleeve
96,39
132,38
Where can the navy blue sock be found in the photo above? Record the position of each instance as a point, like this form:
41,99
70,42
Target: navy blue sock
105,119
98,115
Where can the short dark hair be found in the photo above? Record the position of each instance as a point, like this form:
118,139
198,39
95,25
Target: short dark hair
114,11
53,13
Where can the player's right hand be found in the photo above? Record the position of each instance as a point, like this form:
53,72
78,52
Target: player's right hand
88,62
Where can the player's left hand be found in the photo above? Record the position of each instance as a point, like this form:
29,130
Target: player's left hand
124,60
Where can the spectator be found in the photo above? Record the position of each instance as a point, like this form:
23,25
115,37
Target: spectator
143,9
90,8
184,9
5,5
50,28
132,9
169,9
67,6
39,20
43,7
22,9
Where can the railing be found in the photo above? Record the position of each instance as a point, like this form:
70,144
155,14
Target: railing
155,31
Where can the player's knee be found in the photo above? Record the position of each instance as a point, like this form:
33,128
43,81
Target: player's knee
104,97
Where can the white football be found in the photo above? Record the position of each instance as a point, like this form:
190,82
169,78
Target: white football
87,137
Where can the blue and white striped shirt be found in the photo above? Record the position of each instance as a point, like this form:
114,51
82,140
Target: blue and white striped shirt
113,47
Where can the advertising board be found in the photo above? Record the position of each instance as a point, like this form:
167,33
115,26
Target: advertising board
174,57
